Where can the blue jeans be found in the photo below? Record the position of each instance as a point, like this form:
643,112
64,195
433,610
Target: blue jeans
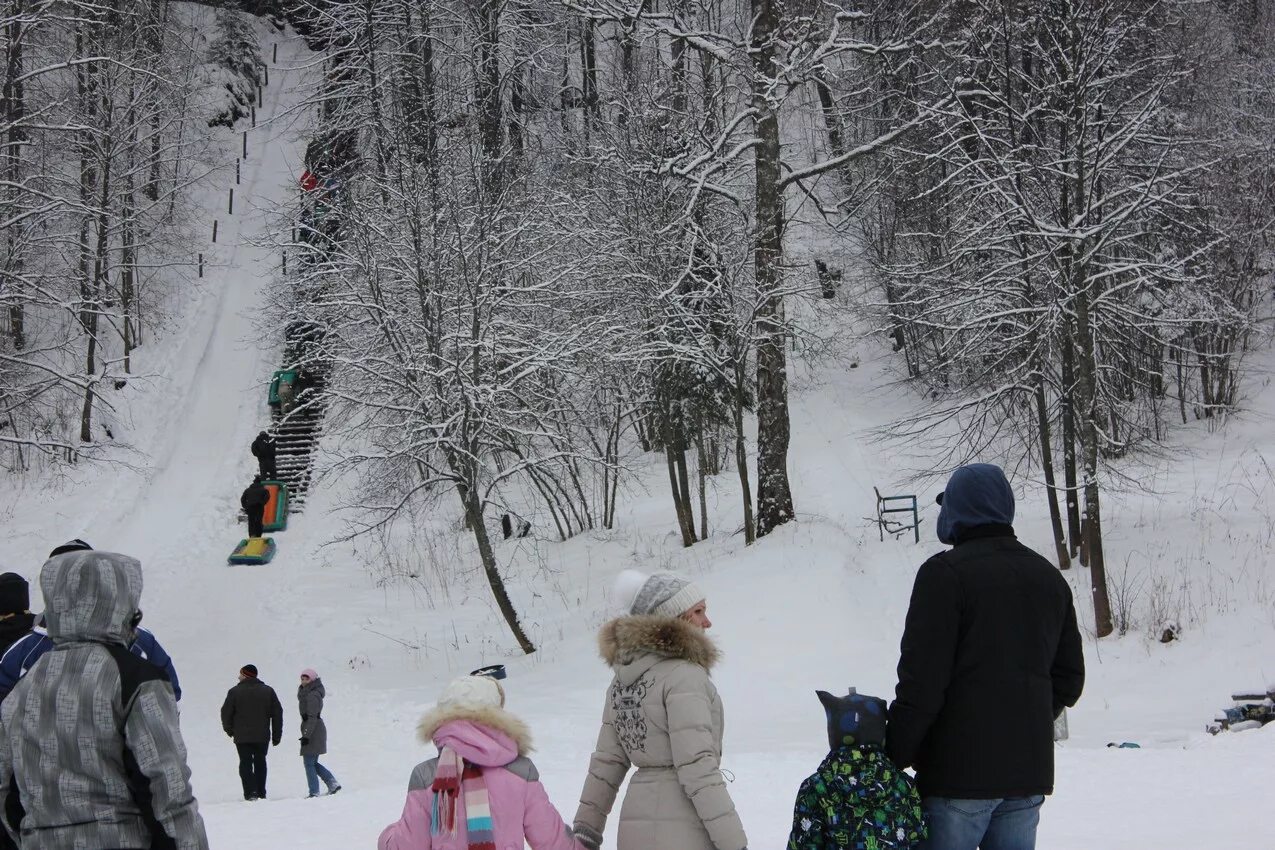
1008,824
314,772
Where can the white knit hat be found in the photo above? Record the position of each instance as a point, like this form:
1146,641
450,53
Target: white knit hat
661,594
472,692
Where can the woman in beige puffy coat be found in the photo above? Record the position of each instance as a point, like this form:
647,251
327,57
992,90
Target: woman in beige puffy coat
663,716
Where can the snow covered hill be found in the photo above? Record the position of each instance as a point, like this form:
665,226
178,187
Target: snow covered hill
818,604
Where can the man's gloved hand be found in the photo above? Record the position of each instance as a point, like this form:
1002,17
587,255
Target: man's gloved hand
304,741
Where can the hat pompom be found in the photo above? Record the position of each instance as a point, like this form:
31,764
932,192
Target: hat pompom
626,588
472,692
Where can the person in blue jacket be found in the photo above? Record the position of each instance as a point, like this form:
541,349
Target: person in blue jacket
22,655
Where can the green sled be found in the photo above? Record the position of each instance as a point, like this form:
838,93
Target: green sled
290,374
253,550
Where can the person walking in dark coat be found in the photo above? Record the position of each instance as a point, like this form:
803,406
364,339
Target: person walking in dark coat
314,733
990,656
265,450
254,501
253,717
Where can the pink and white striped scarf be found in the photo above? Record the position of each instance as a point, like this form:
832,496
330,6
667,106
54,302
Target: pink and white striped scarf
460,791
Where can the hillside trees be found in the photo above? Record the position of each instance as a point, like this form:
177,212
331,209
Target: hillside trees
1060,256
97,153
558,229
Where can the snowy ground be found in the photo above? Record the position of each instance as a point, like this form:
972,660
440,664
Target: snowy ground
819,604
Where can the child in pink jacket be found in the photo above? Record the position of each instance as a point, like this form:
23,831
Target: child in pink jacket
481,792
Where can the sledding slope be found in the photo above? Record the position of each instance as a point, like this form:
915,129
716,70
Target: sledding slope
819,604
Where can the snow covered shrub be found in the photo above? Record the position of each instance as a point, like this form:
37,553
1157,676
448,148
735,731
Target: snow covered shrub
235,56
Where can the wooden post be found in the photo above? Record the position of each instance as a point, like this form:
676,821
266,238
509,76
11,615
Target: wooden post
254,116
259,101
214,230
230,206
275,57
267,70
237,161
285,262
245,144
201,265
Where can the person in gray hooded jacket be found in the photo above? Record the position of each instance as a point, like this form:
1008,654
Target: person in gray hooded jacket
91,754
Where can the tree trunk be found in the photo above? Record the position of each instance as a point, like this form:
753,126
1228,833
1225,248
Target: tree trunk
1086,385
490,110
684,489
684,524
474,516
701,474
14,97
588,41
741,456
1051,484
774,494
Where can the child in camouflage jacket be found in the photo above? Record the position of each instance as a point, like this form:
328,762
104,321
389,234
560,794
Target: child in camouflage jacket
857,799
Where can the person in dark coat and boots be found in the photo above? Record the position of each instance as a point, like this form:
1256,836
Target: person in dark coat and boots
253,717
990,656
264,450
314,733
254,501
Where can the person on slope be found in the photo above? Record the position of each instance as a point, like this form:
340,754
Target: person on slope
314,733
91,752
22,654
253,501
662,714
990,656
265,450
481,790
252,717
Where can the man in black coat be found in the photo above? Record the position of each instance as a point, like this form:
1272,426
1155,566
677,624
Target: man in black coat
990,656
264,450
253,717
254,501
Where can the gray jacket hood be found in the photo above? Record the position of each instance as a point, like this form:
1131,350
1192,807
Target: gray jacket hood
91,596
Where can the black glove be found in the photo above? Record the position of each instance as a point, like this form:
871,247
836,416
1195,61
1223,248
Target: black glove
305,741
275,742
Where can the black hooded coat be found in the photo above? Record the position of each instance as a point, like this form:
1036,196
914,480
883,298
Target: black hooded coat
990,654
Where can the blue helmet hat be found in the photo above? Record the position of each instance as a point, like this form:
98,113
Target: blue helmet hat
854,719
977,494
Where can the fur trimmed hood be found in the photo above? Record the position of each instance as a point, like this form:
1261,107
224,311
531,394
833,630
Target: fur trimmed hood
623,640
496,719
